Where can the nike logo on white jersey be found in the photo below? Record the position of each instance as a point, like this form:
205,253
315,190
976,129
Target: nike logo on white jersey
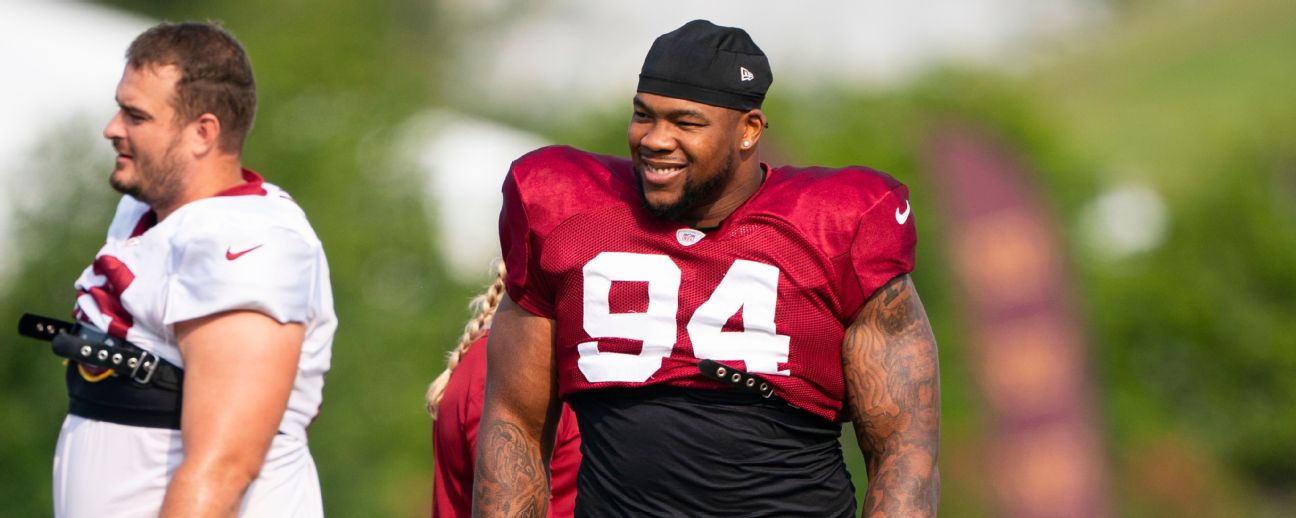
902,217
745,74
231,255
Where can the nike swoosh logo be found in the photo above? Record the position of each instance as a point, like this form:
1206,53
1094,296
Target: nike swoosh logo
902,217
235,255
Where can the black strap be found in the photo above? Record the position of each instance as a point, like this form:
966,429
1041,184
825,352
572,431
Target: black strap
736,378
89,346
43,328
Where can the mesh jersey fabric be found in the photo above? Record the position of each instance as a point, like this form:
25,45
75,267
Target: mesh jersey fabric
771,290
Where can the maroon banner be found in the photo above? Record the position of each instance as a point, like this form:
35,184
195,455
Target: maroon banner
1045,456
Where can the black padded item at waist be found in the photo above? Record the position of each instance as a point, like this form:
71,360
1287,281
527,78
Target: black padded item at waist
669,451
141,389
116,399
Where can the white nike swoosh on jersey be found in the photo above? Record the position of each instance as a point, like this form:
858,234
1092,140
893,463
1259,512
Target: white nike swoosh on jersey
902,217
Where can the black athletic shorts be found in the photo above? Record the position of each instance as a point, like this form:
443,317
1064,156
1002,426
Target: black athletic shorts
667,451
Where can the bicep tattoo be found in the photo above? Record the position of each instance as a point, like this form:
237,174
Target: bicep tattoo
893,399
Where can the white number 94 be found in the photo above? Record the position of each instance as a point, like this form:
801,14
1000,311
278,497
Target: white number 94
748,285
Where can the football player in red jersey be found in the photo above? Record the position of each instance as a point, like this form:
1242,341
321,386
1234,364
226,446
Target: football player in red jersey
711,319
454,400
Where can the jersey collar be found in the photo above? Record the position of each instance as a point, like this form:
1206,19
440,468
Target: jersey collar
254,185
146,221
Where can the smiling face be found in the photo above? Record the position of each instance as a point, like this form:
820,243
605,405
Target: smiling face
147,137
685,154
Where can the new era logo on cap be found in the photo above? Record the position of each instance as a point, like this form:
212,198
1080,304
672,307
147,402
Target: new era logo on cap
706,63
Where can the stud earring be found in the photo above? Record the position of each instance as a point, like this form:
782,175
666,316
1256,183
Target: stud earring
746,144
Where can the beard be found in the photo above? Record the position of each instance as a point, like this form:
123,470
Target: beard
695,195
157,181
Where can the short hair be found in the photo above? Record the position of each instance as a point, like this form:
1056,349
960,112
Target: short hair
215,74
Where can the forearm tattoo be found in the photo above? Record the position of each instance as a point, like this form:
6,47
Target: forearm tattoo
510,478
893,398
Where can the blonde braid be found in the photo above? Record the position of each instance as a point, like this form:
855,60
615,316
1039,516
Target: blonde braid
484,306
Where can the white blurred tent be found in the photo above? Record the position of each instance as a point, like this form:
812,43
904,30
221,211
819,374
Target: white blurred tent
61,63
463,160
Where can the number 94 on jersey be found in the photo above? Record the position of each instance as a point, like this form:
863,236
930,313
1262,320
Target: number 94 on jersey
748,287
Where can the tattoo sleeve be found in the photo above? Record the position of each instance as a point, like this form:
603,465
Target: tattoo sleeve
893,398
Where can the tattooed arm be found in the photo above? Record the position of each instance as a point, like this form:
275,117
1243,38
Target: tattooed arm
893,397
519,416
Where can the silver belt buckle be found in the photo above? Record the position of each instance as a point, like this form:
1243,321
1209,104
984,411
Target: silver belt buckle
147,363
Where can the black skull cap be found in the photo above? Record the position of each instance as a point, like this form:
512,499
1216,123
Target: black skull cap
707,63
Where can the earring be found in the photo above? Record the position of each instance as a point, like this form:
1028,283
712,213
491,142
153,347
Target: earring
746,144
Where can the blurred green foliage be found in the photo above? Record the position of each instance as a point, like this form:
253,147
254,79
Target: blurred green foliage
1197,338
1192,340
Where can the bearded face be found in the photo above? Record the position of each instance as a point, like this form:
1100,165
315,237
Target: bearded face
147,136
683,154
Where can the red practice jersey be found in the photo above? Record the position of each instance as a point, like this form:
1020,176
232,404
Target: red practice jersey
638,300
454,443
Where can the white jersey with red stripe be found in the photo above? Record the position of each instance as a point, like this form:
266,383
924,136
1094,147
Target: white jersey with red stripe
249,248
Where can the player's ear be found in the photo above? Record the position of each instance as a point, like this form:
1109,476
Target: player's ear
752,125
205,134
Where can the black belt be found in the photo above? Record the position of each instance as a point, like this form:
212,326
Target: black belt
736,379
89,346
145,391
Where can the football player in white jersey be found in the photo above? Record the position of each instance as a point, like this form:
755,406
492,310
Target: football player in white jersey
214,280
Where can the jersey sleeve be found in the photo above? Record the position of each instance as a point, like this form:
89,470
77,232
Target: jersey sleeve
272,272
883,247
519,246
564,464
470,419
